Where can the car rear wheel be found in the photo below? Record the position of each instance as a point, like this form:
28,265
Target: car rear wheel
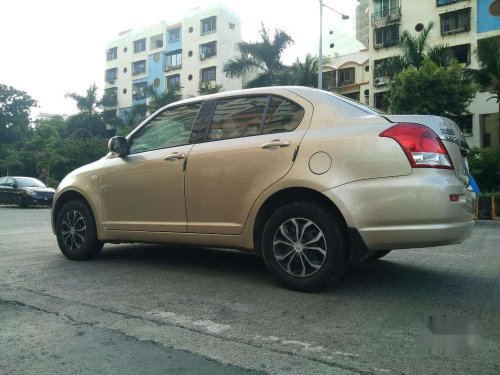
76,232
304,246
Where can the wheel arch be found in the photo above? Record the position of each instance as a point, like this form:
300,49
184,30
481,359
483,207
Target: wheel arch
289,195
66,197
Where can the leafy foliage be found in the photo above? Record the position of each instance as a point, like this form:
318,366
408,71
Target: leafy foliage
210,88
431,89
484,165
158,99
88,103
262,58
15,107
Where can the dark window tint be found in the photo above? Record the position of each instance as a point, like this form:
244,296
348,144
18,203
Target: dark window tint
168,129
282,116
238,117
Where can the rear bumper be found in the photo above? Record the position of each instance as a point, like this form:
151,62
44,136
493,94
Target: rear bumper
407,211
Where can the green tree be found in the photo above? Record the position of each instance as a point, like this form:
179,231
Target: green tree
484,165
488,74
89,103
306,73
261,58
132,117
210,88
159,99
15,108
414,50
431,89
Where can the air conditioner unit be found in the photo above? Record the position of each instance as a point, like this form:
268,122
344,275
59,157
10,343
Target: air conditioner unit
202,56
380,81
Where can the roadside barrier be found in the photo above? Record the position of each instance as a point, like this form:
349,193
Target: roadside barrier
488,208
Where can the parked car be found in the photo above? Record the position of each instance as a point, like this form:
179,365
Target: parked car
25,191
307,179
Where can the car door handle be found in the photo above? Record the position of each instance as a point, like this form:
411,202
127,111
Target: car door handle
174,156
275,143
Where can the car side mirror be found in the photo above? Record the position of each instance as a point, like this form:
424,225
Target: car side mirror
118,146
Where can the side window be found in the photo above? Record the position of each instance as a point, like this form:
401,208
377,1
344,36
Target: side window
237,117
282,116
170,128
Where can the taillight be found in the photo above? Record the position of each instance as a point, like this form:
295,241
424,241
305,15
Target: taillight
422,146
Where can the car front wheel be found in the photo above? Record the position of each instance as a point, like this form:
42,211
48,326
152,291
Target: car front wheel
304,246
76,232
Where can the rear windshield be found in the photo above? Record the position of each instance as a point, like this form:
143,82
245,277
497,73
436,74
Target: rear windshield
29,182
355,103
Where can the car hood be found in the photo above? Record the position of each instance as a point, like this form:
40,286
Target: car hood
39,189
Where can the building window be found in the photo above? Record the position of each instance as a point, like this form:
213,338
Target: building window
461,53
381,101
346,76
174,35
173,60
110,97
386,36
465,124
139,45
353,95
455,22
208,74
111,54
139,90
138,67
207,50
440,3
208,25
385,11
156,41
111,74
173,81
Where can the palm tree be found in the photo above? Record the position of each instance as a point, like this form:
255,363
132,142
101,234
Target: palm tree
208,89
414,51
488,74
306,73
89,103
158,99
262,58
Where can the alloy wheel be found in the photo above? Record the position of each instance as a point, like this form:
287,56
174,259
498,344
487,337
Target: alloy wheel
299,247
73,230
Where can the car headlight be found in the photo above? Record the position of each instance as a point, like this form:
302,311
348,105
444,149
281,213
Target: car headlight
30,192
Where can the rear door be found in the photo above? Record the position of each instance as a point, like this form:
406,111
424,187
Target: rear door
250,144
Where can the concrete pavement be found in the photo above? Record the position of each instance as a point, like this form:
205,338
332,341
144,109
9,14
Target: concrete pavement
223,308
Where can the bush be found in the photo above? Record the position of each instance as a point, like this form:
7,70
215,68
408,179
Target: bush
484,165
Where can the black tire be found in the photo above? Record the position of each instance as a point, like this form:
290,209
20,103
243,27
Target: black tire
333,264
377,255
72,245
20,201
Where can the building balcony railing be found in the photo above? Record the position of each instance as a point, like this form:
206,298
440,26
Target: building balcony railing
386,16
169,68
345,83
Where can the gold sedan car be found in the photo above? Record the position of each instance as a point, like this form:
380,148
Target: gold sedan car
307,179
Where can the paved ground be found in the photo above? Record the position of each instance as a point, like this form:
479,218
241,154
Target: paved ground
152,309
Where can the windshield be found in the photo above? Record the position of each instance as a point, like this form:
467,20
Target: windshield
357,104
23,182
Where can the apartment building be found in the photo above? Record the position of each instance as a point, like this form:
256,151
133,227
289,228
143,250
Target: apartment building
190,53
460,24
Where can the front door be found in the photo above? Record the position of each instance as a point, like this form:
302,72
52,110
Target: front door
245,153
144,190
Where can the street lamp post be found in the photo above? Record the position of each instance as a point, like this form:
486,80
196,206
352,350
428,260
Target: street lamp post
320,59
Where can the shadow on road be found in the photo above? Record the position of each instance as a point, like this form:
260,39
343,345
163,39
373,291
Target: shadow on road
401,277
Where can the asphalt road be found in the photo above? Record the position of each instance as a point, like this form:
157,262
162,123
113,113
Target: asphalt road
155,309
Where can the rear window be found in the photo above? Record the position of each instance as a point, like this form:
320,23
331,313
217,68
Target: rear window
282,116
363,107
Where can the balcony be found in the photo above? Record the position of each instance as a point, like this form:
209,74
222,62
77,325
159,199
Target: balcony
386,17
169,68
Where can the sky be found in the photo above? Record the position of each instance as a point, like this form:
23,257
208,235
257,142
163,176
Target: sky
52,47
